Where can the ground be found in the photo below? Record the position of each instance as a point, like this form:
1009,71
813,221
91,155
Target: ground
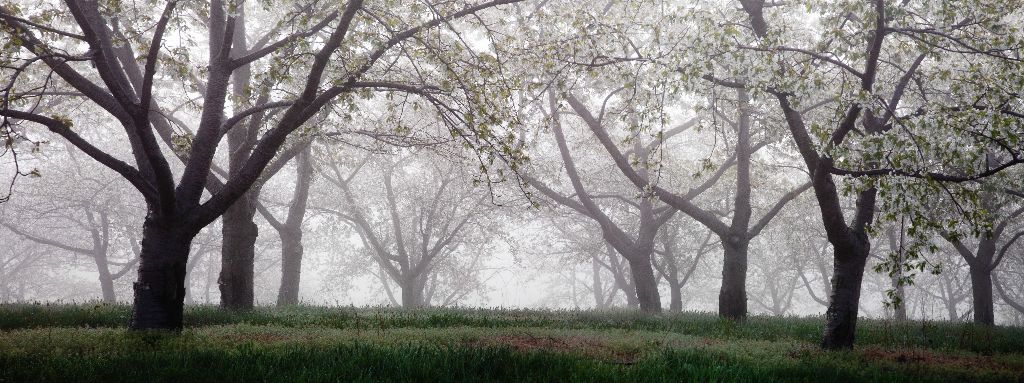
90,343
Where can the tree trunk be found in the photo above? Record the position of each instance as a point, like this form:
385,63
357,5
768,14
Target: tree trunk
291,267
981,290
676,292
106,280
238,254
900,313
412,294
645,283
841,317
598,286
732,298
160,289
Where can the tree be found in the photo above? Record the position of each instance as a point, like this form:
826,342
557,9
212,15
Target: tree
290,231
349,45
92,217
637,249
989,251
426,236
880,124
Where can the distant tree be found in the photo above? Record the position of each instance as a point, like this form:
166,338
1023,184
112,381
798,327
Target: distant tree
427,232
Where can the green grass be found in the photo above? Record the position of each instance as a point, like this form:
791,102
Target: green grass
89,343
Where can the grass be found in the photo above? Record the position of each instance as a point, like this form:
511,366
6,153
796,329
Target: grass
89,343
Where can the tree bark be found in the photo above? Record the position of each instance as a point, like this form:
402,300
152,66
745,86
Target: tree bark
645,283
732,298
238,254
239,228
841,316
981,290
160,289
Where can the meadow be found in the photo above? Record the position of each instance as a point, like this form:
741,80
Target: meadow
89,342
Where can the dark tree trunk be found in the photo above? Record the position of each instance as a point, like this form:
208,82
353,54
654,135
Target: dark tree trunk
291,268
160,289
238,254
841,317
732,298
239,230
981,290
645,283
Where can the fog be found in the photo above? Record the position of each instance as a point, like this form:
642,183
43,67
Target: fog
647,156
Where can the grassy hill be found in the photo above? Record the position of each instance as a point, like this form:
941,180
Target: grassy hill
314,344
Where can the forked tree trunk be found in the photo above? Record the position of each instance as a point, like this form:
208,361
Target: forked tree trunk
160,289
981,291
645,283
841,317
291,268
238,254
732,298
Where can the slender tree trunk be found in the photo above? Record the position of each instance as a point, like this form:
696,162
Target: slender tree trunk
291,267
106,280
291,233
238,254
900,311
896,246
238,246
598,286
732,298
841,317
981,290
160,289
645,283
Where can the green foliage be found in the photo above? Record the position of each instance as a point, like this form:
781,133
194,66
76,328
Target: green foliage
89,343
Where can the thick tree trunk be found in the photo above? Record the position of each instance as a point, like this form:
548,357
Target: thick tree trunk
645,283
981,290
238,250
412,294
160,289
841,317
291,268
732,298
